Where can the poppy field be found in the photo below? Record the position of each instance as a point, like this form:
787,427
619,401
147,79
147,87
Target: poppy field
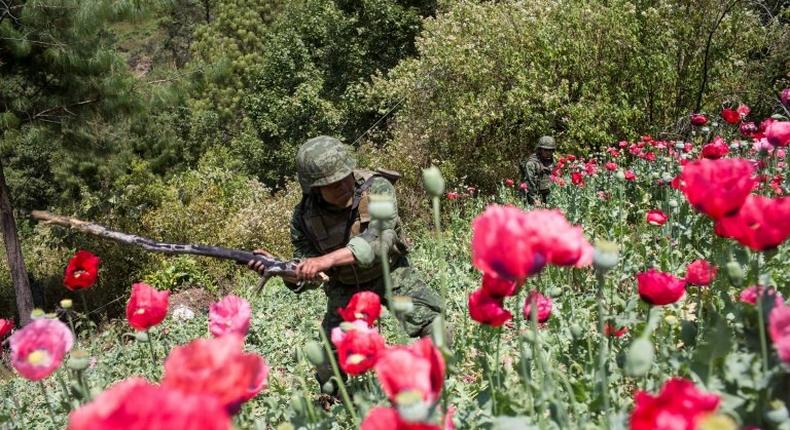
649,294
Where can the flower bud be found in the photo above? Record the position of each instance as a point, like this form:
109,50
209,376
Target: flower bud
297,404
576,331
381,207
141,336
314,353
777,414
606,255
555,292
735,272
78,360
671,320
402,304
328,387
673,203
640,357
66,303
529,336
37,313
432,181
411,407
620,175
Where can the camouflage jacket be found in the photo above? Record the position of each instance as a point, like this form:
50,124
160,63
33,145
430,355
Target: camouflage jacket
537,176
318,228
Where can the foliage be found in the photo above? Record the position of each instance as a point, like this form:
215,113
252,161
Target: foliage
491,77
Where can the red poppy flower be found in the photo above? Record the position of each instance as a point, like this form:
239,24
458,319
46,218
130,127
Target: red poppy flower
452,195
761,223
659,288
718,188
147,307
509,182
612,330
543,304
677,183
37,349
381,418
358,346
137,404
500,244
630,176
716,149
416,368
522,186
497,287
364,305
610,166
5,327
217,367
656,217
679,406
778,133
698,119
730,116
487,309
700,273
82,270
577,179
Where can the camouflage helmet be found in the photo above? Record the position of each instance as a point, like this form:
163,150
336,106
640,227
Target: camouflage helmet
321,161
547,142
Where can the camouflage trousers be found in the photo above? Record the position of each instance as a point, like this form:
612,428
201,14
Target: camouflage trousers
406,281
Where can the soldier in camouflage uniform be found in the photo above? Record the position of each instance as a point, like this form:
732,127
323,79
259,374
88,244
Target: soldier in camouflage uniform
332,233
536,172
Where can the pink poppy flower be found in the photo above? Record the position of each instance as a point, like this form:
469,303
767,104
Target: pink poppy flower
147,307
779,328
700,273
382,418
137,404
679,406
418,367
5,327
656,217
497,287
38,348
218,367
543,304
698,119
630,175
229,315
487,309
749,295
778,133
559,242
501,246
659,288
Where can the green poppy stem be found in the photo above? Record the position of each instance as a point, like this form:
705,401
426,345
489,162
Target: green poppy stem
49,405
340,384
760,313
603,351
151,347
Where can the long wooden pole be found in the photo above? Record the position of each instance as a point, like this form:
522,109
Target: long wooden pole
24,297
274,267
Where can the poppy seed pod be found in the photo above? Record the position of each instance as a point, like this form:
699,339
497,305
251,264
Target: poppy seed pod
381,207
606,256
640,357
79,360
735,272
37,313
314,353
66,303
433,181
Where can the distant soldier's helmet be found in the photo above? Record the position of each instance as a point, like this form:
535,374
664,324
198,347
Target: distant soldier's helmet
547,142
323,160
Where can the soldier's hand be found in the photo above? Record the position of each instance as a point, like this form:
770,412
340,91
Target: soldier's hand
258,266
310,268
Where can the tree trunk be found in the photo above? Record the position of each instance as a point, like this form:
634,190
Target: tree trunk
24,297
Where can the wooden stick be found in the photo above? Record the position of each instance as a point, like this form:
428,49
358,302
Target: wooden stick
274,267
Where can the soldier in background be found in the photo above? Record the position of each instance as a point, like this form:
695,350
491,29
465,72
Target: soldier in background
332,233
536,172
